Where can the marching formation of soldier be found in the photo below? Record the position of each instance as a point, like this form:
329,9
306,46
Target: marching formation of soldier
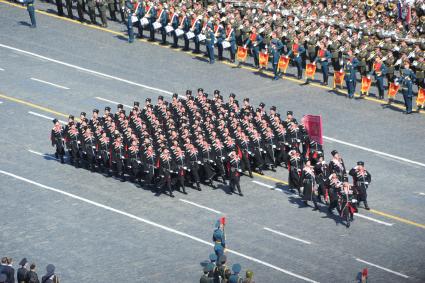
384,40
196,139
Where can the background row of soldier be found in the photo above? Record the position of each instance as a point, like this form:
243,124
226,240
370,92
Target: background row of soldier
185,141
306,28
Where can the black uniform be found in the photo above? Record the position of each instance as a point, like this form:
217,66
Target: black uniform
361,181
57,138
235,174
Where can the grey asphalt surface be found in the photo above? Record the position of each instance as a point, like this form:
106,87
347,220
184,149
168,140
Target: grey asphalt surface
91,244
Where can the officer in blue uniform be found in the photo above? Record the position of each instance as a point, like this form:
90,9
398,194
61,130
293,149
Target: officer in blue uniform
275,50
129,9
221,36
406,80
140,13
31,12
175,24
209,41
235,278
379,70
197,30
254,42
219,239
231,38
296,52
323,57
185,26
163,21
350,67
152,18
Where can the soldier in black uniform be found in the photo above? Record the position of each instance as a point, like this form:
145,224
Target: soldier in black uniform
104,153
336,165
308,183
182,169
335,186
361,181
74,144
150,165
235,172
245,146
89,149
167,167
134,161
57,138
295,165
195,162
118,157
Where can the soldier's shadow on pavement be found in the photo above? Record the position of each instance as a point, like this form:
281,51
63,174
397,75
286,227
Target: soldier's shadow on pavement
22,23
224,188
338,219
51,11
201,58
261,73
337,92
121,37
392,107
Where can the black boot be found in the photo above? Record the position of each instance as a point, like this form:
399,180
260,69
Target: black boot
366,206
198,186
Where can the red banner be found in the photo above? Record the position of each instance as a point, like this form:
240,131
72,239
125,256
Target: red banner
283,63
366,83
313,125
338,78
242,53
263,59
420,101
392,90
310,70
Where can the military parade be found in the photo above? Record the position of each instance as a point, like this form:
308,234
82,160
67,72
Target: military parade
186,141
357,47
193,139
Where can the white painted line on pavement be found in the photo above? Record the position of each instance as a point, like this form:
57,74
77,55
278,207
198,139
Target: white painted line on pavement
48,83
263,184
1,102
375,151
422,194
42,154
373,219
383,268
157,225
267,186
44,116
1,69
85,69
287,236
111,101
201,206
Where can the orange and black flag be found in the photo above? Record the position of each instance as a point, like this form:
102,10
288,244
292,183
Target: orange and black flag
366,83
420,100
338,78
310,70
241,54
263,59
392,90
283,63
